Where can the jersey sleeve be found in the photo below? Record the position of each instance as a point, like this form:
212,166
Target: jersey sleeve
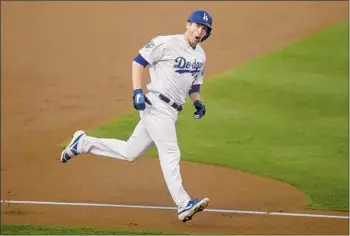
200,77
196,85
154,50
198,81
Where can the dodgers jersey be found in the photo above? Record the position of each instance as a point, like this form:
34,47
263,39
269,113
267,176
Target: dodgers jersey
174,66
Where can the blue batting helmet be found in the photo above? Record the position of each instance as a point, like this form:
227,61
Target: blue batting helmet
203,18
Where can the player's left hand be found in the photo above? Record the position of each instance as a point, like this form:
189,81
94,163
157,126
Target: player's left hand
200,109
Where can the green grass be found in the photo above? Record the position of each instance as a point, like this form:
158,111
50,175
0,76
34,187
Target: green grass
284,115
54,230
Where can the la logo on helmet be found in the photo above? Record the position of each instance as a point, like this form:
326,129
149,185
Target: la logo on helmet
205,17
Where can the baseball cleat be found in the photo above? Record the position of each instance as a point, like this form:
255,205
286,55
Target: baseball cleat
193,206
72,149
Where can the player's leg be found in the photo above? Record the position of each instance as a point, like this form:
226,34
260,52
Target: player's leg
163,132
128,150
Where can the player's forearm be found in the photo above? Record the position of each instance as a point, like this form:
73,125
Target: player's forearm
137,73
195,96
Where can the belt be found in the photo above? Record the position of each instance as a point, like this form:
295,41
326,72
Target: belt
167,100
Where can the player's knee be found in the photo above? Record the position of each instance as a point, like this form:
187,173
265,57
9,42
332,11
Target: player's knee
173,151
131,157
131,154
176,152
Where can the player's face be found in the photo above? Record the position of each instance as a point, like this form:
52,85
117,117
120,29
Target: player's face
195,32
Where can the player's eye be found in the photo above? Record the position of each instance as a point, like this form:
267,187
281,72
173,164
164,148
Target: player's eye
205,28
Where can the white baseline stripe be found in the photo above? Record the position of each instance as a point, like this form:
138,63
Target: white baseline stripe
172,208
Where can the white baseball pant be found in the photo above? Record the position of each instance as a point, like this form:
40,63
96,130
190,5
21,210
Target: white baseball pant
156,127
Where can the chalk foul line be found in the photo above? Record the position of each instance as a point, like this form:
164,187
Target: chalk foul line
172,208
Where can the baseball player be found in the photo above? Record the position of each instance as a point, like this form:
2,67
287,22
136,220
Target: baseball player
176,67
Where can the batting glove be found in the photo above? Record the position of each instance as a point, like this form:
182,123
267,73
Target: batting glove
200,109
139,99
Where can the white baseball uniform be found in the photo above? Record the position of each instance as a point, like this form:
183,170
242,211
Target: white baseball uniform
174,68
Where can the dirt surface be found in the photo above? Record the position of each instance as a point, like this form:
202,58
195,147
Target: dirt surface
66,66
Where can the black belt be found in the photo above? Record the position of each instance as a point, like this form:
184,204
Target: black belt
167,100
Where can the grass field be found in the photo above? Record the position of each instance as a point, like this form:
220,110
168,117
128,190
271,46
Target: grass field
51,230
284,115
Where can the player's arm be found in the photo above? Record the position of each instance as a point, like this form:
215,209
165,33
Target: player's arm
138,67
152,52
148,55
194,94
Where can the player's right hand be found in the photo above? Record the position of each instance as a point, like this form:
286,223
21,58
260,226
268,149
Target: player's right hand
139,99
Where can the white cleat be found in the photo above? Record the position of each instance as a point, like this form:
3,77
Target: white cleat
72,149
193,206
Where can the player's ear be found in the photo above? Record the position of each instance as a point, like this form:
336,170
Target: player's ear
188,24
